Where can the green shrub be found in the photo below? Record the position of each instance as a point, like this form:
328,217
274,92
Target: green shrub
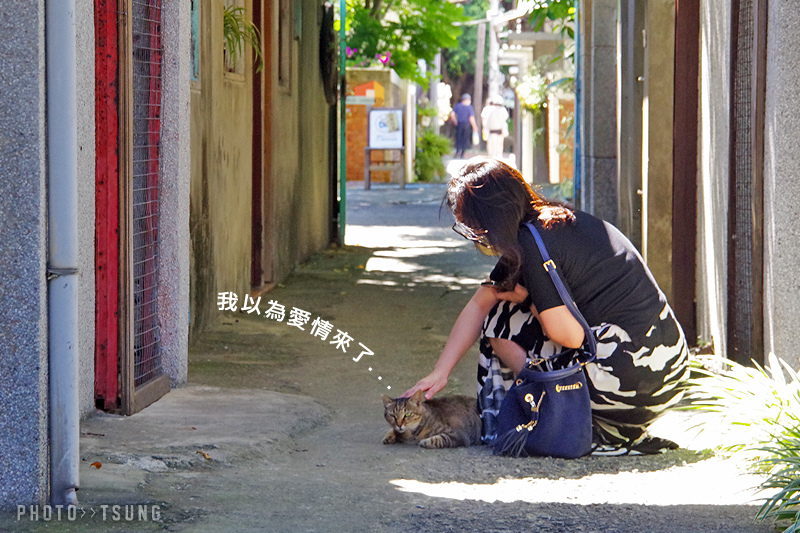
430,149
765,407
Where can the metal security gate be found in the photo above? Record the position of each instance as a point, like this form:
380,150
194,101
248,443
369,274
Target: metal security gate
146,78
143,380
128,365
746,187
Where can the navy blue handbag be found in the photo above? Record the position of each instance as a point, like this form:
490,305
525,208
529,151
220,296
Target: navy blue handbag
547,412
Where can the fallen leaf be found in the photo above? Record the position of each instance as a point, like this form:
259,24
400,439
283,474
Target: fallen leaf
96,464
204,454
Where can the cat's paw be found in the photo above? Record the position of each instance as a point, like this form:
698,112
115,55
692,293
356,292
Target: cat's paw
437,441
390,438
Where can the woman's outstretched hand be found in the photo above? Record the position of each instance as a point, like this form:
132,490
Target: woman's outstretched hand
431,384
516,296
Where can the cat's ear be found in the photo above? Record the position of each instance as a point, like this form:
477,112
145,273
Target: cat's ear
418,397
386,400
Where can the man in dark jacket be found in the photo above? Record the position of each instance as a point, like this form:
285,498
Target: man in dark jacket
463,116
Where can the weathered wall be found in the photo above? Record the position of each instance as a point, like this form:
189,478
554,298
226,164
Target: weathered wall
221,185
297,206
296,190
23,317
712,200
657,145
781,186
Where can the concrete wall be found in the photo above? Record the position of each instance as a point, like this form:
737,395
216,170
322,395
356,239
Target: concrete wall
84,51
173,295
221,125
23,254
712,201
781,186
599,116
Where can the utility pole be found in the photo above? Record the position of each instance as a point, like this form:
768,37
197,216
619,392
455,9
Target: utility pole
437,75
479,61
495,78
342,122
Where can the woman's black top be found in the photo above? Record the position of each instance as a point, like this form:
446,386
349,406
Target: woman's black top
601,268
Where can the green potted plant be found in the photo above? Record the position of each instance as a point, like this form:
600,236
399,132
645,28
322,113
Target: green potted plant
425,115
430,149
237,32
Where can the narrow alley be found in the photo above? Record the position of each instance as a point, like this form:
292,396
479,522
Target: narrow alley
280,430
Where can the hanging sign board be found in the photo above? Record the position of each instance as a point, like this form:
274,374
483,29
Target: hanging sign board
386,128
359,100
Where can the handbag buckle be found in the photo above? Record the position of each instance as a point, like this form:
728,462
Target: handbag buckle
534,408
534,405
547,264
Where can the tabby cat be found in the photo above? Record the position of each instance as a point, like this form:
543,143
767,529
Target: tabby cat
446,422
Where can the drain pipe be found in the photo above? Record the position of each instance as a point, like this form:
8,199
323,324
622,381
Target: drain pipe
62,271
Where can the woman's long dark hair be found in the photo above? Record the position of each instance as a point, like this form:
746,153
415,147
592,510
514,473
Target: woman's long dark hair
490,200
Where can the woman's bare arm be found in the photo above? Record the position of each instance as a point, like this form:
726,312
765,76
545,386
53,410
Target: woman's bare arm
560,326
465,332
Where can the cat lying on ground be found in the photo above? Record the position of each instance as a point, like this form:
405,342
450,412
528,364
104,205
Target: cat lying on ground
446,422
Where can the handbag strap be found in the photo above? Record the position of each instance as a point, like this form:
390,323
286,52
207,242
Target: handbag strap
550,267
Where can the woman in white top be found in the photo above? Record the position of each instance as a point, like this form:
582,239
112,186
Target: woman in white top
494,119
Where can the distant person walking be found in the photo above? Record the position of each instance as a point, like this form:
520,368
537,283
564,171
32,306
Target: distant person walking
494,119
463,116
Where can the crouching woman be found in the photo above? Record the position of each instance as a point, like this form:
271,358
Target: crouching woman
519,315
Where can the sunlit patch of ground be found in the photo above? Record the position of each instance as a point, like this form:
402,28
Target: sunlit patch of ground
714,481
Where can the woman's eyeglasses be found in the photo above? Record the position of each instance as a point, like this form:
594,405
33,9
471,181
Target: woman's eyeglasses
468,234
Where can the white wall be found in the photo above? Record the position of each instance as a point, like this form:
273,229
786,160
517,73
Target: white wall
781,183
712,198
84,53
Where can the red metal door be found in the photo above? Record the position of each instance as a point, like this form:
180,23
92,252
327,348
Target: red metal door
106,205
128,370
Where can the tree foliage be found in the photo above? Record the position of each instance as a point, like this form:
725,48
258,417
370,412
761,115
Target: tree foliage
562,12
398,33
460,59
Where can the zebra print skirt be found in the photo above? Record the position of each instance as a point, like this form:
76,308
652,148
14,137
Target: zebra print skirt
630,385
